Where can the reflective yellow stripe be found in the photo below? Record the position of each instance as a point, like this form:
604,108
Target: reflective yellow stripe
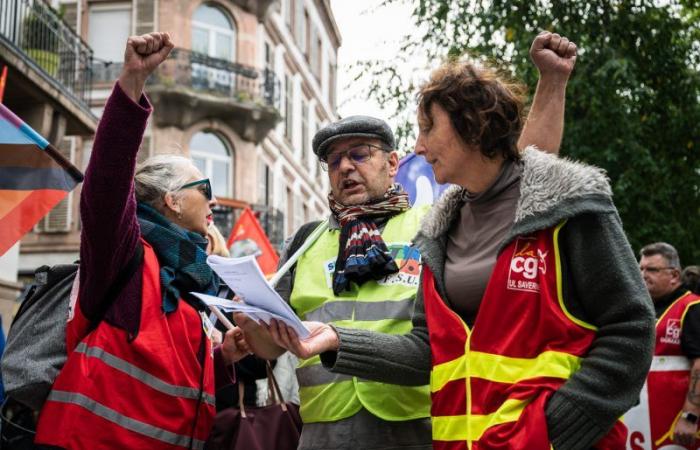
443,373
455,428
504,369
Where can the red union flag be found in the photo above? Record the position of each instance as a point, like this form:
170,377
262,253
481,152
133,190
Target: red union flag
249,238
34,177
651,422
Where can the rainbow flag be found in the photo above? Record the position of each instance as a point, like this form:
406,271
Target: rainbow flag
34,177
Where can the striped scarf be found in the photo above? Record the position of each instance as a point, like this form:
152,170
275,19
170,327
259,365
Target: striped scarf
363,255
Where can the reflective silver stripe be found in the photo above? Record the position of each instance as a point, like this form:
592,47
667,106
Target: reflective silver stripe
123,421
363,311
143,376
332,311
397,310
317,375
669,363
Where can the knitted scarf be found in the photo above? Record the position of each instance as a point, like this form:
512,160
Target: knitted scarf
363,255
182,256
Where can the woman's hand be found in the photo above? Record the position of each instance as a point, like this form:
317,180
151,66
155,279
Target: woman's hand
553,55
234,347
323,338
143,54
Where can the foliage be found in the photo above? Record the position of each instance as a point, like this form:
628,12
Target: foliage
633,104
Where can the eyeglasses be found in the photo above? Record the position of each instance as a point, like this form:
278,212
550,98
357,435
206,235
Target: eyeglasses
203,185
357,155
654,269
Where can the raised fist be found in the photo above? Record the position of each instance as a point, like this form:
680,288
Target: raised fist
553,55
143,54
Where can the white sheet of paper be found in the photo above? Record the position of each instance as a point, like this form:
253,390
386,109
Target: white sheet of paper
244,276
255,313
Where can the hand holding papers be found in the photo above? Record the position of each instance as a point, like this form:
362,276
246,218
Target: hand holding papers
262,302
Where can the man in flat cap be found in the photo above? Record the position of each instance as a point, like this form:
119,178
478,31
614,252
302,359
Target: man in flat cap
362,274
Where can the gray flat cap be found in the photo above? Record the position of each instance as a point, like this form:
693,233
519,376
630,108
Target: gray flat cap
353,126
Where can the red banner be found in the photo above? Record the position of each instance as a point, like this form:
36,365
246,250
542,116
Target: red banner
249,238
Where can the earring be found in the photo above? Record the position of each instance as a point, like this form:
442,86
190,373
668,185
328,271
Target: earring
179,215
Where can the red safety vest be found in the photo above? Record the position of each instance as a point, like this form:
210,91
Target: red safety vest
149,393
667,382
490,384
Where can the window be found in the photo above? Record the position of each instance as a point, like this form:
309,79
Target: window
264,184
304,132
289,14
213,158
288,123
300,25
313,53
109,46
269,63
289,197
213,33
331,85
308,36
298,212
319,52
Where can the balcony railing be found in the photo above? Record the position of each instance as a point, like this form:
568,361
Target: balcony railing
36,30
219,77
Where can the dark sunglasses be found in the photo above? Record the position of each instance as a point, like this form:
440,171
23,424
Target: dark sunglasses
357,155
205,187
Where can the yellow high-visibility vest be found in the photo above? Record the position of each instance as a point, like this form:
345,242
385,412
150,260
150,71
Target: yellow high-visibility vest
384,306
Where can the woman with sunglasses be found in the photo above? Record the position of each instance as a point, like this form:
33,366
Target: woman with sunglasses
144,377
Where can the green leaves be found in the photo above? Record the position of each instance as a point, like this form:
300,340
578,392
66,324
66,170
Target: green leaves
633,103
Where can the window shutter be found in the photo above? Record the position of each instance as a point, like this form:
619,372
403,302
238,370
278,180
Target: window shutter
145,16
70,15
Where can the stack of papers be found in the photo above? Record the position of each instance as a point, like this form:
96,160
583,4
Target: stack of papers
262,303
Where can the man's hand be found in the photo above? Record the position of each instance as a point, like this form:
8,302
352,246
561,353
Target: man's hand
257,336
553,55
323,338
143,54
234,347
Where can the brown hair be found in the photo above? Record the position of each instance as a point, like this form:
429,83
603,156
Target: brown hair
484,110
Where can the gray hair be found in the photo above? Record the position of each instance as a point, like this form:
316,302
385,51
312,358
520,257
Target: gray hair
668,251
159,175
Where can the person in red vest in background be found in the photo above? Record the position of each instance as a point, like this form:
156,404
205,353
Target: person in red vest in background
674,395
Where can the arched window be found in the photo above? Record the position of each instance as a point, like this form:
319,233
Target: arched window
214,159
213,33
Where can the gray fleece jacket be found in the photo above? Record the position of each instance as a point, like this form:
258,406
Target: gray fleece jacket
602,286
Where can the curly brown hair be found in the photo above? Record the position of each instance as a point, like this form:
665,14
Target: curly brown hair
485,110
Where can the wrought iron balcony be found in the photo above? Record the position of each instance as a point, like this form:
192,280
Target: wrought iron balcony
35,31
189,87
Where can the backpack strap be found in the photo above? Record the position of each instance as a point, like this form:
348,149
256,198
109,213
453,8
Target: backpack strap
119,283
300,236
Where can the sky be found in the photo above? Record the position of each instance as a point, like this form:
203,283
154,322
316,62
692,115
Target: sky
365,34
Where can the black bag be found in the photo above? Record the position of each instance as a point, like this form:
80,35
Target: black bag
36,343
273,427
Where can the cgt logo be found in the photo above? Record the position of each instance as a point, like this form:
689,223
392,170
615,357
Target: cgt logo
529,265
525,266
673,332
